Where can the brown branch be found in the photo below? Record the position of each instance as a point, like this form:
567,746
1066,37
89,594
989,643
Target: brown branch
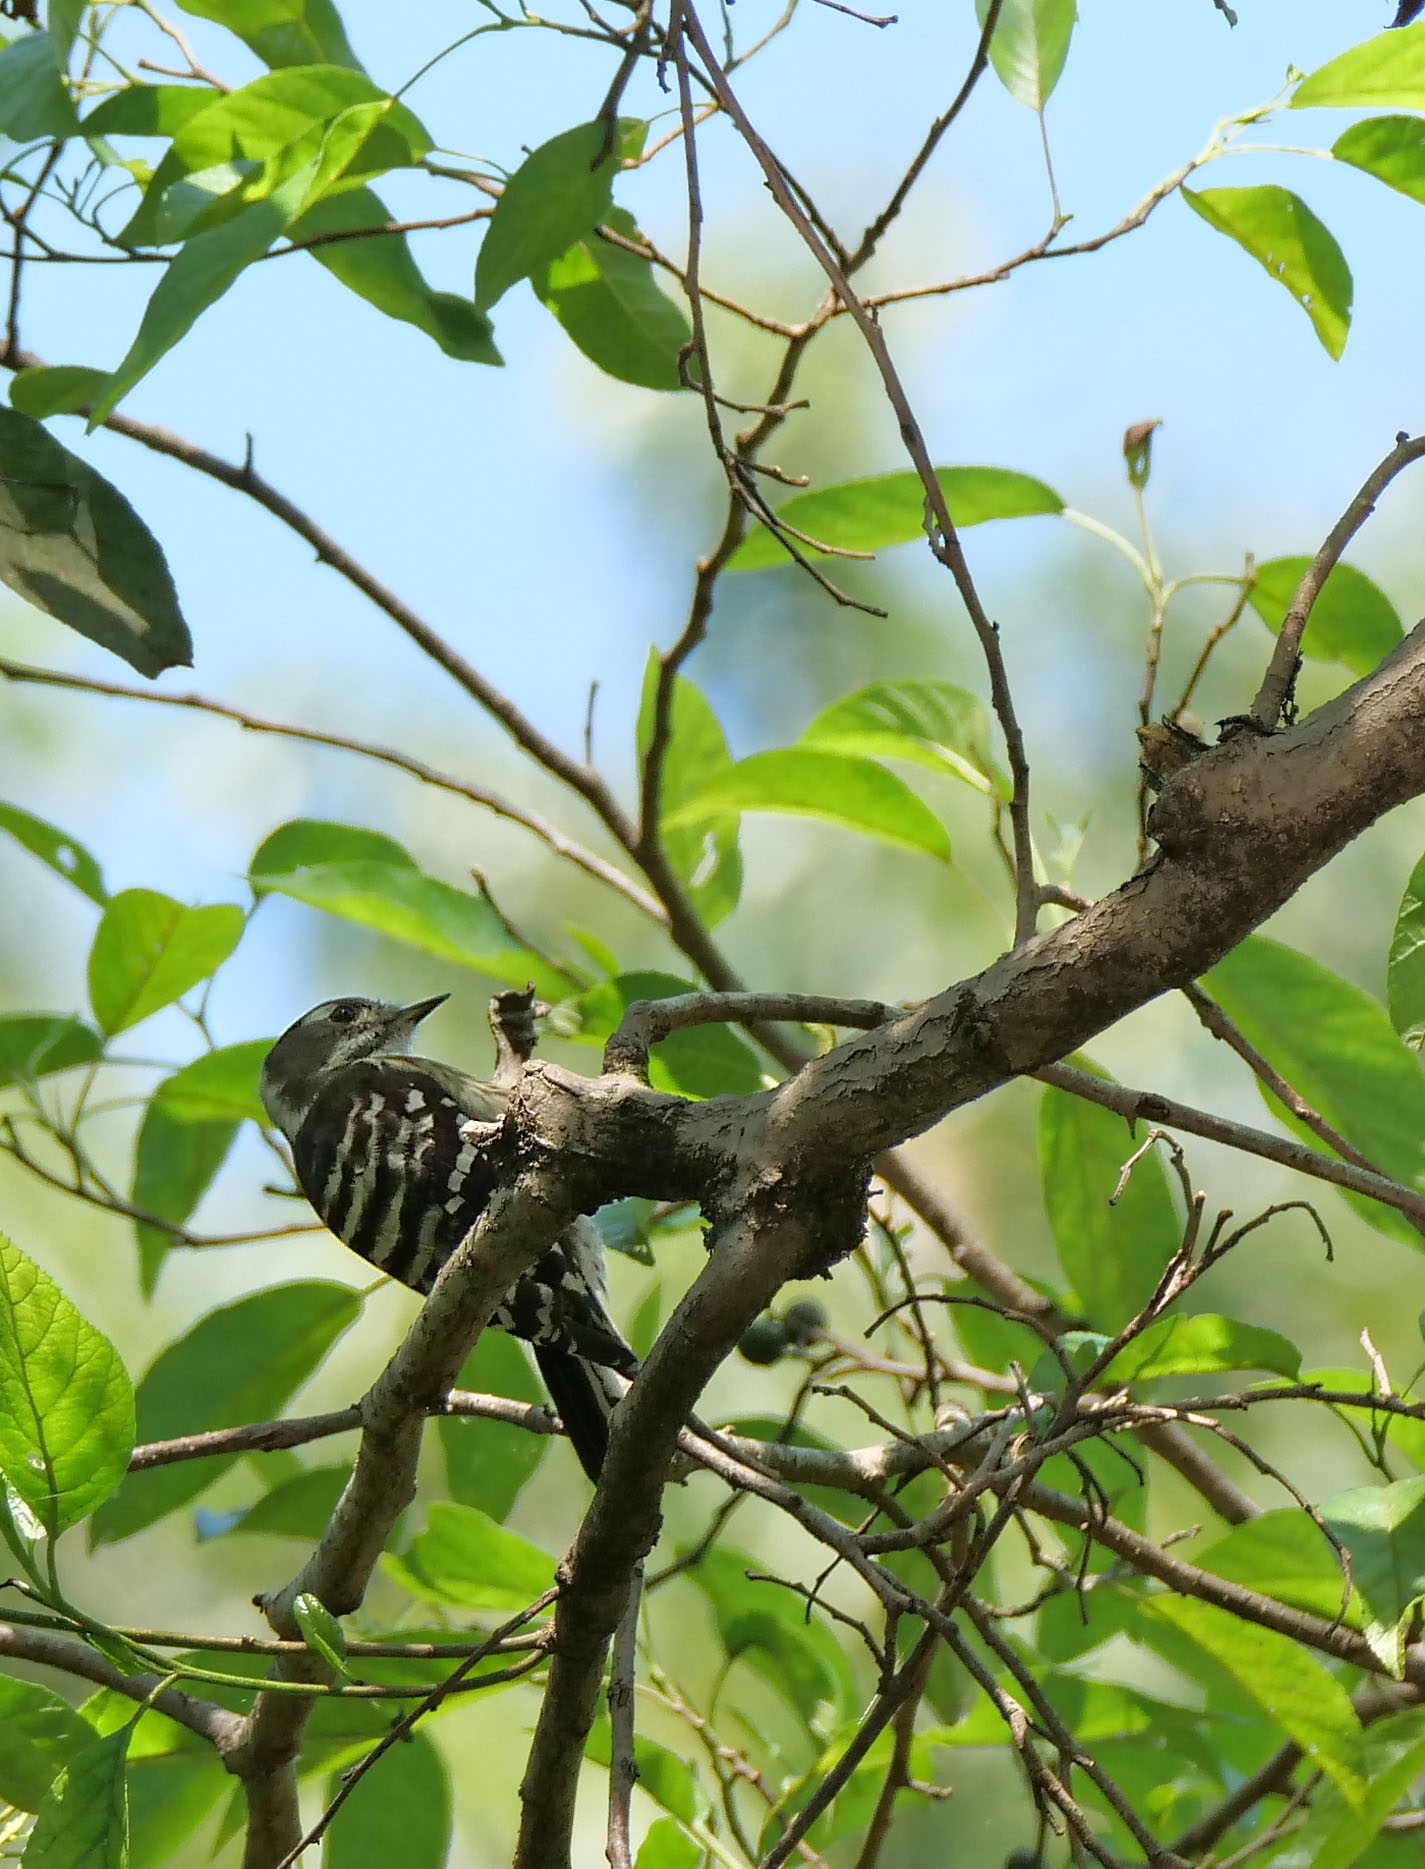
647,1022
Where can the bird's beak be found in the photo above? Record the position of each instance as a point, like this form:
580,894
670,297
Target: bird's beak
410,1017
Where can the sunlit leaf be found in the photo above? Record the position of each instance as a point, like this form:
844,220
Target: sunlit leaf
218,1087
149,110
889,509
168,1798
1387,70
34,99
64,854
400,1814
559,193
1282,234
662,1775
1383,1528
304,843
706,856
1334,1833
1202,1345
39,1735
666,1845
610,303
1030,44
282,32
929,723
242,1362
84,1820
71,545
66,1405
150,950
321,1631
1390,148
1112,1255
1284,1555
58,389
33,1045
428,914
1352,621
855,793
700,1061
464,1558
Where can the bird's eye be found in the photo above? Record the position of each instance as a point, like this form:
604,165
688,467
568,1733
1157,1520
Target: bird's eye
344,1012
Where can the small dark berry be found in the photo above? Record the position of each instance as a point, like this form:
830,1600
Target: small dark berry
804,1321
764,1341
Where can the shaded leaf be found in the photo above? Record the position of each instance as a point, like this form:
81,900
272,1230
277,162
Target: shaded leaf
1030,45
1201,1345
1383,1528
767,1629
73,546
1405,970
488,1462
149,110
702,1061
66,1405
150,950
559,193
666,1846
299,1507
242,1362
409,906
84,1820
1282,234
464,1557
399,1814
219,1087
34,99
58,389
168,1798
61,852
1352,621
662,1775
611,305
34,1045
889,509
382,271
1113,1256
1334,1044
282,32
304,843
39,1735
706,856
1284,1555
175,1160
855,793
929,723
1389,70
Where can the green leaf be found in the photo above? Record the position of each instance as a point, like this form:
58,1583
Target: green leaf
767,1629
1202,1345
1334,1834
662,1775
1282,234
242,1362
463,1557
702,1061
409,906
1287,1682
929,723
150,950
1334,1044
305,843
73,546
399,1813
555,197
299,1507
219,1087
198,277
34,99
39,1735
59,389
1113,1256
1390,148
1383,1528
282,32
1030,44
666,1846
175,1160
889,509
61,852
149,110
1352,621
706,856
855,793
84,1820
66,1406
34,1045
168,1798
611,305
1405,970
488,1462
382,271
1284,1555
321,1631
1386,70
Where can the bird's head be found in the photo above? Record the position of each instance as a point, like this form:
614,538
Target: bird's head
331,1036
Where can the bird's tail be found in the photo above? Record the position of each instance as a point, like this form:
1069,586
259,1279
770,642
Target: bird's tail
586,1395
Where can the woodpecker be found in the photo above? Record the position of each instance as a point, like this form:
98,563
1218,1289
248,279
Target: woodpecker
387,1148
